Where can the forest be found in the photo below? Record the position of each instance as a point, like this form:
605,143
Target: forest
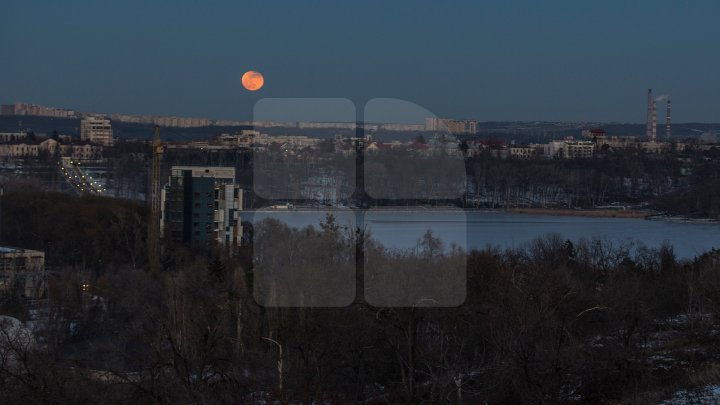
552,321
676,183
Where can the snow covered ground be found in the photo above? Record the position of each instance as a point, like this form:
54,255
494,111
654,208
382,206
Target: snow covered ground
709,394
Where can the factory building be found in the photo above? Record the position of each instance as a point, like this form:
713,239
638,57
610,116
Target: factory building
201,205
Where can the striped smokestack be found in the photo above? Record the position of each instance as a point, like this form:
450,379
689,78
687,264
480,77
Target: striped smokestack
648,128
668,134
653,136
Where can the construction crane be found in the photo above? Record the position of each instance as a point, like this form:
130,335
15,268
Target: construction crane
154,217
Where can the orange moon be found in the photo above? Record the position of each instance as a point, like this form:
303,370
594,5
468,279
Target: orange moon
253,80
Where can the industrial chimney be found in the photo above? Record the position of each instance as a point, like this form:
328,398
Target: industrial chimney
648,128
667,120
653,136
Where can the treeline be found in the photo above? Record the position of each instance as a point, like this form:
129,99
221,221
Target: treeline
669,182
550,322
678,183
89,233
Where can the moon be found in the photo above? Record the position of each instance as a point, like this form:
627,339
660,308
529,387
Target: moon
253,80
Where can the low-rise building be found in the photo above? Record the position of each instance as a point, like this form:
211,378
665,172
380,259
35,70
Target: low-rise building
522,152
569,149
23,269
24,148
12,136
578,149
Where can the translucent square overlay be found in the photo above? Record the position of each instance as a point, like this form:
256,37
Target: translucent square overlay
303,258
324,170
425,164
415,257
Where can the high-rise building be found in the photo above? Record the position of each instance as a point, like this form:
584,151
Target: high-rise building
96,130
202,205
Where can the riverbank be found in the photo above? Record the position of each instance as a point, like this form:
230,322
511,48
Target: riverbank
595,213
558,212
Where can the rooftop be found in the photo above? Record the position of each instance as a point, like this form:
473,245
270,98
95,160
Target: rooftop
8,249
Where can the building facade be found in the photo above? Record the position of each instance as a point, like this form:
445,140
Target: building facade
37,110
96,130
12,136
201,205
569,149
452,125
51,147
23,269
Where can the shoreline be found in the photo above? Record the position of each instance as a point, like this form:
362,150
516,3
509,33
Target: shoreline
557,212
594,213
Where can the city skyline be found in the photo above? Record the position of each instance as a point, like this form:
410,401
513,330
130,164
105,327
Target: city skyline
287,117
502,62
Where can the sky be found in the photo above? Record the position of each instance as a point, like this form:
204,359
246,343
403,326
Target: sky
504,60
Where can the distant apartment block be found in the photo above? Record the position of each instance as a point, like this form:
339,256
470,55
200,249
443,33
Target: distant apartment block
23,269
37,110
252,138
163,121
401,127
96,130
452,125
595,134
579,150
202,205
570,149
522,152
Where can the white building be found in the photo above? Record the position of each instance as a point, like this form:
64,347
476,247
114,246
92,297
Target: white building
578,150
522,152
570,149
96,130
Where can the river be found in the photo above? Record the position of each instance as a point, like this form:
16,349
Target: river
479,229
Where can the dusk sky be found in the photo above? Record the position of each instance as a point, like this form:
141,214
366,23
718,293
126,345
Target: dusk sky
500,60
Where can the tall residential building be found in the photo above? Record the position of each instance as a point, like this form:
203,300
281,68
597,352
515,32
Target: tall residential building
202,205
96,130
